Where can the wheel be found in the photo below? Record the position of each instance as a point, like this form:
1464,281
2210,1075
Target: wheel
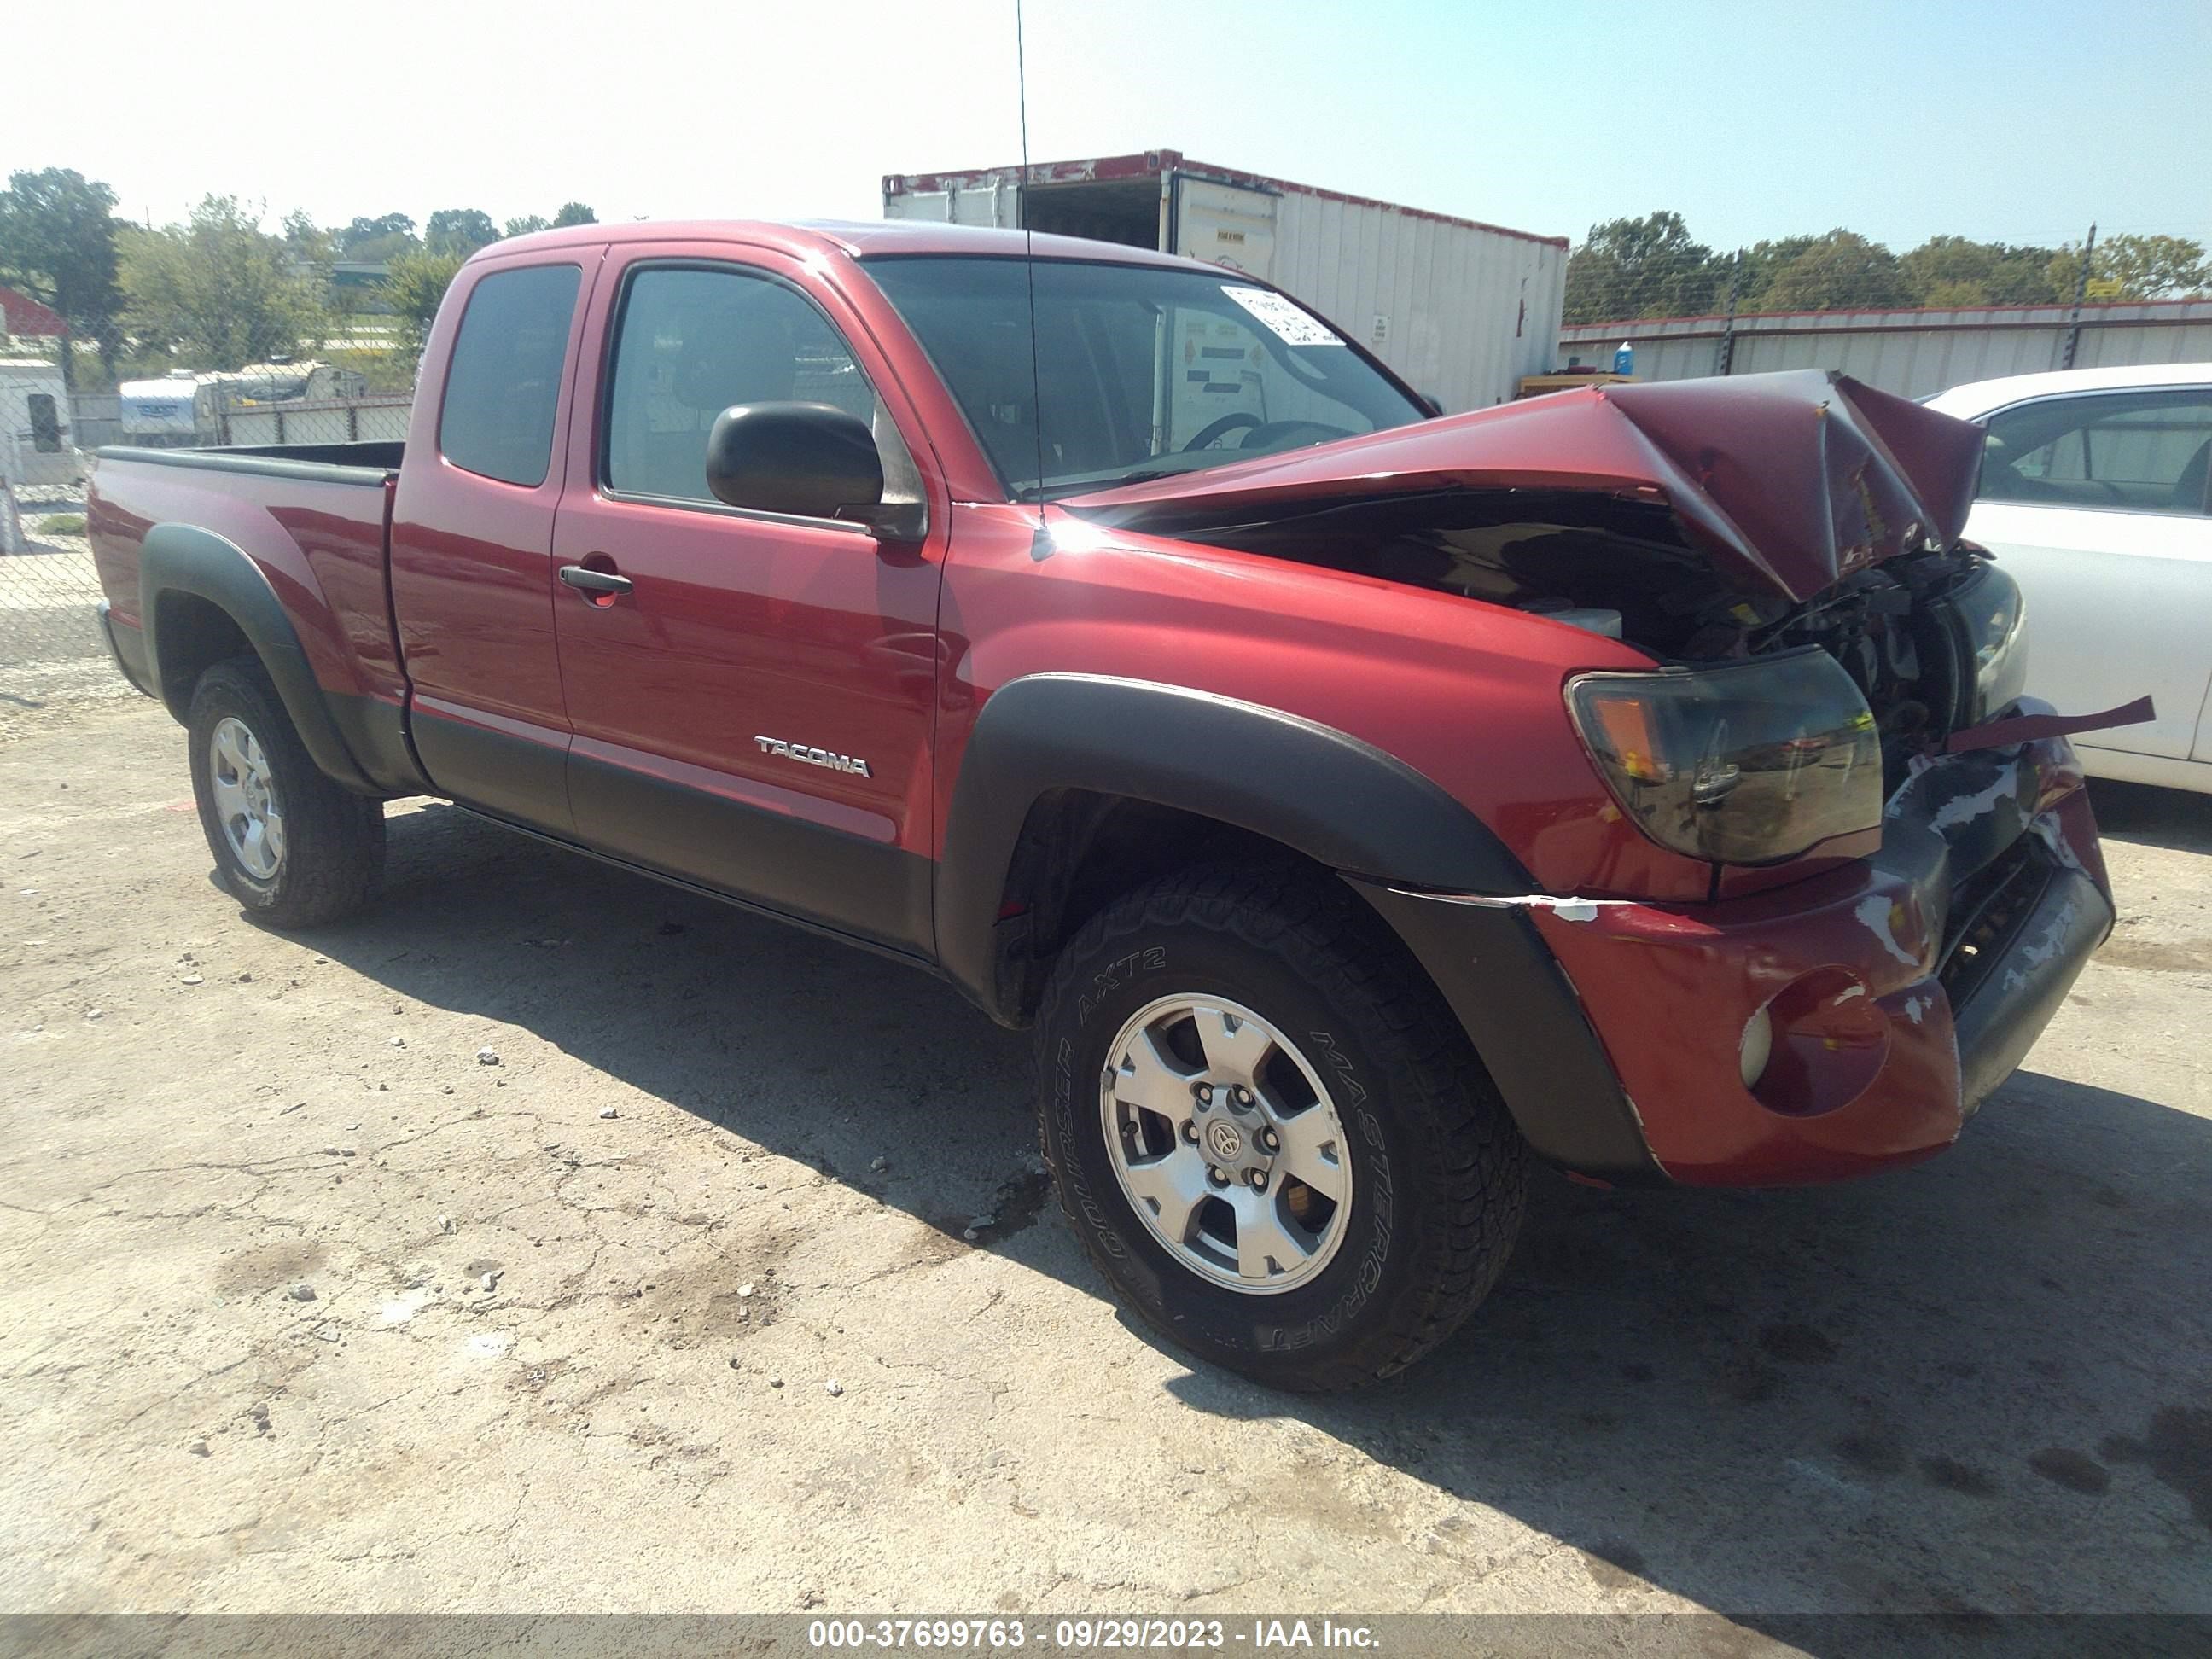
1269,1131
290,845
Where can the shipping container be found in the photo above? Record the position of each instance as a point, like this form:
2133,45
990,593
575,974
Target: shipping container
1462,310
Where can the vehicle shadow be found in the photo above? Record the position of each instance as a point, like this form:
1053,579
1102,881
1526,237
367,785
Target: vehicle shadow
2178,820
1976,1385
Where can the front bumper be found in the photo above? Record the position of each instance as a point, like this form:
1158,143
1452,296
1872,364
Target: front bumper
1899,991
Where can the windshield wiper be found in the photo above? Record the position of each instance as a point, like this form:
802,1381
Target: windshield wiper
1085,486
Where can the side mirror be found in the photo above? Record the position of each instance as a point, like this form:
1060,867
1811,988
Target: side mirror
807,459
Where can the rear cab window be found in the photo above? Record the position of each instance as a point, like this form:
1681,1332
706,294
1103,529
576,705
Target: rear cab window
2141,452
503,383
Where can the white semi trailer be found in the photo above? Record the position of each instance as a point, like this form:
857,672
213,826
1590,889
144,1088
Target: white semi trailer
1462,310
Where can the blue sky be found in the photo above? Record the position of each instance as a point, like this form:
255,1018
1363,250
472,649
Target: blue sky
2019,121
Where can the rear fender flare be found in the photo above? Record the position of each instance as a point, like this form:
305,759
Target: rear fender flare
1339,800
176,558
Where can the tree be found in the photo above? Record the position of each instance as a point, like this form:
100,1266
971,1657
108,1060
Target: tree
2145,267
218,291
2022,276
1839,272
1646,267
1760,263
372,241
306,239
414,287
58,244
1949,272
573,213
461,231
523,226
364,229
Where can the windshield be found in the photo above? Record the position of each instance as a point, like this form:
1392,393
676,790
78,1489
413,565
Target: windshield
1139,371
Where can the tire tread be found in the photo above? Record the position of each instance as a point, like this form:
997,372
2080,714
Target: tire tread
334,852
1316,927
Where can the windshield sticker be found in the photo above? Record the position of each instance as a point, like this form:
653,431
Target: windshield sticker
1289,323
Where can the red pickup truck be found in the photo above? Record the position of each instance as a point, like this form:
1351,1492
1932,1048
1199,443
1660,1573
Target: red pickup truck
1356,801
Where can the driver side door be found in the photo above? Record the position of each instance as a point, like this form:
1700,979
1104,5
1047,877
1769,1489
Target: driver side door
751,693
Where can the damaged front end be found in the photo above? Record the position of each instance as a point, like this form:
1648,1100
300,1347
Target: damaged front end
1854,1020
1905,878
1706,523
1785,548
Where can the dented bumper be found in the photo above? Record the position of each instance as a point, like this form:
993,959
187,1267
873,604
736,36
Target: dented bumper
1830,1028
1895,994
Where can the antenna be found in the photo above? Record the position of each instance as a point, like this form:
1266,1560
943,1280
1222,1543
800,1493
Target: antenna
1029,254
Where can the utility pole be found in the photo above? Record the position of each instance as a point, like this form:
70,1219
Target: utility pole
2081,292
1727,326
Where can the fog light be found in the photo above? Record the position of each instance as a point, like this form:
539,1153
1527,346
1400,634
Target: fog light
1756,1049
1825,1039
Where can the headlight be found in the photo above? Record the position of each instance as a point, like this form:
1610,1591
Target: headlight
1989,606
1749,763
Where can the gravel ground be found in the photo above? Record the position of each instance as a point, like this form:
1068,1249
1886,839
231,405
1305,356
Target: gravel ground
308,1304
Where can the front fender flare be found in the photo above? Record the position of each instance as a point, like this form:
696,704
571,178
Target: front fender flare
179,558
1334,798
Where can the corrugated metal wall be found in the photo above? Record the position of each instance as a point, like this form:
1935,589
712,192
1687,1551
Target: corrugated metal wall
1464,313
99,419
1912,353
996,204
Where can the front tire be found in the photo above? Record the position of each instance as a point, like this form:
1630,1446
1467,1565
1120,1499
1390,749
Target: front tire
1268,1130
294,848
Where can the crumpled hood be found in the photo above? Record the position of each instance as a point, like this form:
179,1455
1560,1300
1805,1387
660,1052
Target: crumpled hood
1787,481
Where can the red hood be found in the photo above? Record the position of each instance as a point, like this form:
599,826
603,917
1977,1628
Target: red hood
1787,481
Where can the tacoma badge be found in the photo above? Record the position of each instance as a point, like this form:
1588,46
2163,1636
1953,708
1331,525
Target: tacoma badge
799,751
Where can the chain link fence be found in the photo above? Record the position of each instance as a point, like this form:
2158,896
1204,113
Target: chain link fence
50,649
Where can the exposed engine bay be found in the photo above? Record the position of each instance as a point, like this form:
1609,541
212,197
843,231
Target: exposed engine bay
1718,524
1918,633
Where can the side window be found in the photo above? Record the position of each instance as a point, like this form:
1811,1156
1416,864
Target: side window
2141,452
690,344
46,422
505,377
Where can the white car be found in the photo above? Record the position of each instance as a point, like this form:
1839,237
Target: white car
2094,496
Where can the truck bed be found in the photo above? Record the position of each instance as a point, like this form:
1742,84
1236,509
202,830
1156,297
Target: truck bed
371,463
313,520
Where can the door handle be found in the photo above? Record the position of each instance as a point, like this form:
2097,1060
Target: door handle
593,581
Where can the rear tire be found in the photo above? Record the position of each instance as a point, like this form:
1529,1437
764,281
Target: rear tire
294,848
1309,1253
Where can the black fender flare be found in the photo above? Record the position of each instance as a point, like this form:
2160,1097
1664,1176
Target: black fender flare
1334,798
181,558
